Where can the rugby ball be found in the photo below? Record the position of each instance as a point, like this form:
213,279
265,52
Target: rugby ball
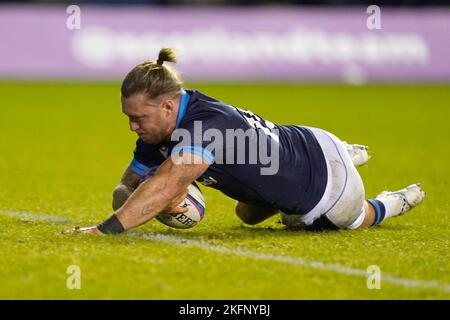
195,203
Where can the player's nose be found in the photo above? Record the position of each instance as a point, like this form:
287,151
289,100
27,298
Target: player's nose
133,126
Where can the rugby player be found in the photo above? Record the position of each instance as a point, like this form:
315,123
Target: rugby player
310,179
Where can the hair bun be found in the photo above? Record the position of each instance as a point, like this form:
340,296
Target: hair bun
166,54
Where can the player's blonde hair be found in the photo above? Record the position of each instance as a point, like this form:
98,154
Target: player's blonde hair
153,78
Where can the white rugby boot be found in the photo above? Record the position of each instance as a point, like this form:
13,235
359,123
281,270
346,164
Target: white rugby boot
358,153
401,201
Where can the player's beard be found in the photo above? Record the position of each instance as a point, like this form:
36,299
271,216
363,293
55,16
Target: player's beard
152,138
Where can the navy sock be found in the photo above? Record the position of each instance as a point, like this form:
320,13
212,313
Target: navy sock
380,210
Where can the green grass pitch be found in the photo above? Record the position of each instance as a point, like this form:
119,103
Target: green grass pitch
64,147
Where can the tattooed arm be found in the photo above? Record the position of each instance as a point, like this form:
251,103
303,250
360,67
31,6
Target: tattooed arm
161,194
128,183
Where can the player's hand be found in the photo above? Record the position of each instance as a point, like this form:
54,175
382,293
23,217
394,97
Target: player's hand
177,206
89,230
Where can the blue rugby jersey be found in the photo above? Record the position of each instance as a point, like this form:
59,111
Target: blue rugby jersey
295,188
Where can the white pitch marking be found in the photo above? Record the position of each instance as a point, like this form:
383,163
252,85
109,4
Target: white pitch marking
296,261
34,216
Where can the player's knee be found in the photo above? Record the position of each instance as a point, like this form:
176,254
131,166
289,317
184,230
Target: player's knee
245,215
252,215
292,221
120,195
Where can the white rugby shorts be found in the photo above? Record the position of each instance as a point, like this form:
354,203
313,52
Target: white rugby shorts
343,200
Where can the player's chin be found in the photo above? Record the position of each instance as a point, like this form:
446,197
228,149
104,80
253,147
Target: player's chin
147,139
150,139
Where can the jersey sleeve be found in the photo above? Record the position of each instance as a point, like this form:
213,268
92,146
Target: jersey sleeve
146,160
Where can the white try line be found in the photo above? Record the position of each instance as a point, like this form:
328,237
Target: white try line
239,252
32,216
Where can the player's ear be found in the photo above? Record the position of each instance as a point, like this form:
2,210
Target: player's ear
168,107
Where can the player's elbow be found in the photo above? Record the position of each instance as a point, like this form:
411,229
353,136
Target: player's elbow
120,195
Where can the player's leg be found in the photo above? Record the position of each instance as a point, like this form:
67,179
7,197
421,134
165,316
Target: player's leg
343,205
390,204
251,214
358,153
349,209
343,199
